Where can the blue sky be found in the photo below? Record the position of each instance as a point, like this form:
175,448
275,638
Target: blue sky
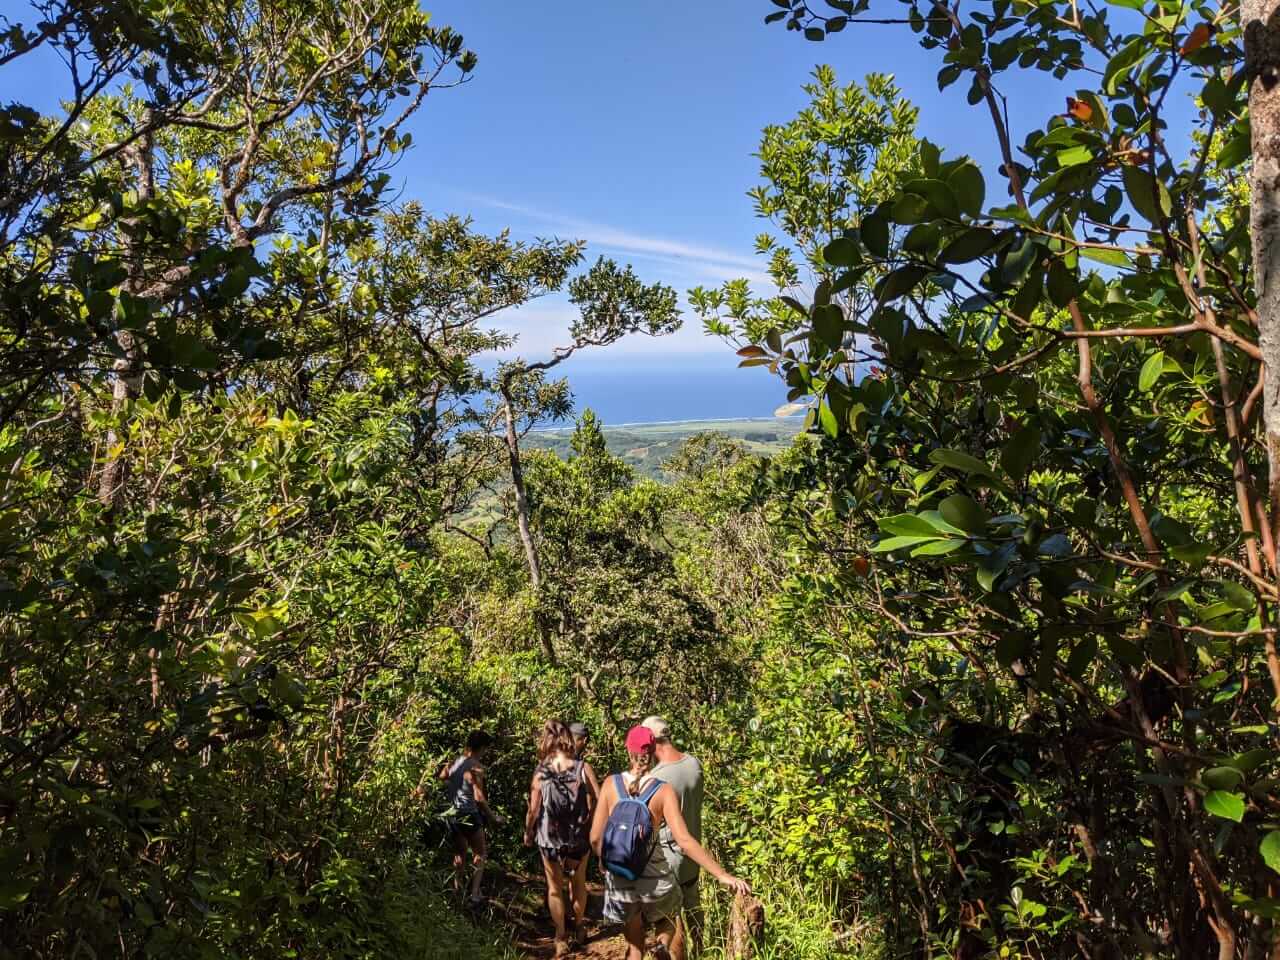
632,126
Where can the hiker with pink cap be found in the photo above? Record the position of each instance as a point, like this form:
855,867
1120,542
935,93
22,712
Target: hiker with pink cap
641,889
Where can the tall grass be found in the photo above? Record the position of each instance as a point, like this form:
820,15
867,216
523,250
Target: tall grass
801,923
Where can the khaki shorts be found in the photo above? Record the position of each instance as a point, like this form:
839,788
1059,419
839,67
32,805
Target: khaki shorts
665,906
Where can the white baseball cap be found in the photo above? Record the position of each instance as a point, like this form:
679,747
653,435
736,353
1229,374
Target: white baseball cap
660,728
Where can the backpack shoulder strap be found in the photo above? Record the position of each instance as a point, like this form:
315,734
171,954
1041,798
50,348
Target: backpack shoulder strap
648,792
620,787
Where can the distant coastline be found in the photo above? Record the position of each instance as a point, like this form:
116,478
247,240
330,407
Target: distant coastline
677,423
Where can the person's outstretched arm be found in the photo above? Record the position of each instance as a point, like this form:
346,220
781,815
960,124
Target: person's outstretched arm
593,786
482,801
535,808
670,806
603,808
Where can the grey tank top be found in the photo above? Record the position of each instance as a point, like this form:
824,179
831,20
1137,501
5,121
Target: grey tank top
573,834
462,792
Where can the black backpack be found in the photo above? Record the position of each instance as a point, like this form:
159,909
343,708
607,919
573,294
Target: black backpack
565,811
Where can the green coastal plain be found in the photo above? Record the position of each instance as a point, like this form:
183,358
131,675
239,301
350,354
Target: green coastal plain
647,446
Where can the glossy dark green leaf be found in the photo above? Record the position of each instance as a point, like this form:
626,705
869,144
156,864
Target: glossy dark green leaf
964,512
842,252
1020,451
828,324
900,282
874,231
1228,806
969,188
1151,371
1149,196
968,246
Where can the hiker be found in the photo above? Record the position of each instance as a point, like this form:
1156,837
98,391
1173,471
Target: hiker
641,889
580,738
684,774
469,811
562,797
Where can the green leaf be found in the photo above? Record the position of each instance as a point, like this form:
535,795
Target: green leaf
236,283
1055,545
842,252
1222,778
1228,806
958,460
1149,196
941,200
1251,760
968,246
1270,850
1238,596
909,208
1074,156
964,512
1061,283
938,548
897,543
907,525
1237,149
900,282
1082,656
1151,371
1194,554
1122,64
1020,452
827,420
1112,258
874,231
970,189
828,324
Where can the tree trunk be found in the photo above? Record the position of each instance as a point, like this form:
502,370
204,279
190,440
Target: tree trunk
1261,22
746,928
126,385
126,372
522,520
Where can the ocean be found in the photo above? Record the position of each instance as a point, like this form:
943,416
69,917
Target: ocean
649,388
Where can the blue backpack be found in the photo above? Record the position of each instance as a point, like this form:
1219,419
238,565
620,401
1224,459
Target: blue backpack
628,834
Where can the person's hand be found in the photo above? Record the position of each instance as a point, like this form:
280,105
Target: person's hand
735,884
528,838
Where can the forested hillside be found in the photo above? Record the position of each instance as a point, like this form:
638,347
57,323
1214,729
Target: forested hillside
982,664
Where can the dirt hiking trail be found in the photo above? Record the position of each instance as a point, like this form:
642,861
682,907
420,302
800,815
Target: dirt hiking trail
517,901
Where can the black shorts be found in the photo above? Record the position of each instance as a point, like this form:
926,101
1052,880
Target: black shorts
465,824
565,855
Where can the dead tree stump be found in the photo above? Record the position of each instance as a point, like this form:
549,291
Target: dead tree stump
746,927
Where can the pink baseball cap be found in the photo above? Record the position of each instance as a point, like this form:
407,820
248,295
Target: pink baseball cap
639,739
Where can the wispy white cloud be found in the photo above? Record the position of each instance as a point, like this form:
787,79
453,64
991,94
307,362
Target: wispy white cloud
691,262
544,325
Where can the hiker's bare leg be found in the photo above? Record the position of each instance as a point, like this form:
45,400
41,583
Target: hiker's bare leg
680,940
633,933
556,894
480,854
580,893
460,846
665,930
